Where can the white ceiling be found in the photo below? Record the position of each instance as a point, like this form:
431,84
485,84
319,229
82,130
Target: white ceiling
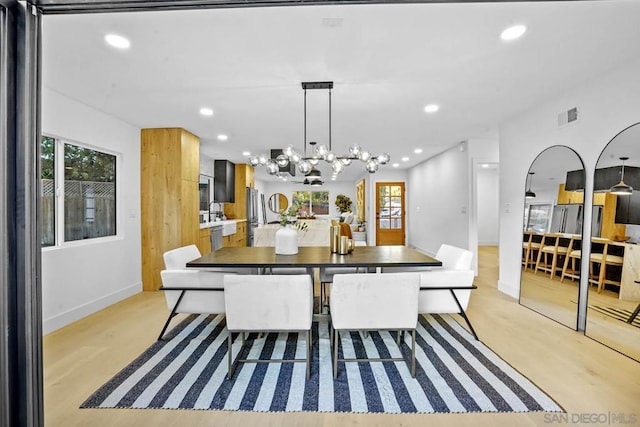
387,62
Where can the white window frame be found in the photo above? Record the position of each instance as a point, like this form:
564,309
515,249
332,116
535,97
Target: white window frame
58,151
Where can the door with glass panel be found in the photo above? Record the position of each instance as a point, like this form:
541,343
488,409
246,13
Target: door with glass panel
390,213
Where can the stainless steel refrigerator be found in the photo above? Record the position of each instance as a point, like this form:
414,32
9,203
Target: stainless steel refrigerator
566,219
569,219
252,214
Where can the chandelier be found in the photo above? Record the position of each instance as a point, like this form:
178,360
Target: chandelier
306,162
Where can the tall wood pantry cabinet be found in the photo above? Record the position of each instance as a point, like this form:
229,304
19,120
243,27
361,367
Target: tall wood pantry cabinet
170,197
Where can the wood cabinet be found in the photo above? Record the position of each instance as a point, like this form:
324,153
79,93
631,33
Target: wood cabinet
224,188
237,239
577,197
241,233
244,174
204,242
170,168
629,289
628,209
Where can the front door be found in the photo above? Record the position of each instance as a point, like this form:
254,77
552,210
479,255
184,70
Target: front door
390,213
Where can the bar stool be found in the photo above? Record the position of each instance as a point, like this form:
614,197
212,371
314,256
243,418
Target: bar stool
554,246
603,259
574,255
531,243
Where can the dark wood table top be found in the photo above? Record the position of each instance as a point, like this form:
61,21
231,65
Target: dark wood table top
316,256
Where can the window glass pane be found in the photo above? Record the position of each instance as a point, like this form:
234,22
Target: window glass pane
89,193
320,202
302,199
47,191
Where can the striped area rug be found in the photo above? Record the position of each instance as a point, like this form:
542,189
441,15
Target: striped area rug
617,313
455,373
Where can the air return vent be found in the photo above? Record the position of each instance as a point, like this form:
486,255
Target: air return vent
569,116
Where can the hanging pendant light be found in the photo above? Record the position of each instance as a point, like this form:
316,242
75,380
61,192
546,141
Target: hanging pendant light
530,194
307,162
622,189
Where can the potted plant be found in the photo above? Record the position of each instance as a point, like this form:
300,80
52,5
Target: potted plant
343,203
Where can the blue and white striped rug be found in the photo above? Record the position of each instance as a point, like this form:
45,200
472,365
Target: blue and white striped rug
455,373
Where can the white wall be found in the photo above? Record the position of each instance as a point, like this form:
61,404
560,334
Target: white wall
607,105
487,206
438,201
83,277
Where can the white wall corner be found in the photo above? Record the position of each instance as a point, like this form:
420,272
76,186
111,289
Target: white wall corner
509,289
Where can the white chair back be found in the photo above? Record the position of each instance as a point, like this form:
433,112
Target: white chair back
177,259
454,258
268,303
194,301
374,301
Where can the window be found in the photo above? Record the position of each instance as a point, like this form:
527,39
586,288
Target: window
311,202
89,192
48,191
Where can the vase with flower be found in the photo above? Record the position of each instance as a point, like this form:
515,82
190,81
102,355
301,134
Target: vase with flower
287,235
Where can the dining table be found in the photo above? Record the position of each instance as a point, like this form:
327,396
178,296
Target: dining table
314,257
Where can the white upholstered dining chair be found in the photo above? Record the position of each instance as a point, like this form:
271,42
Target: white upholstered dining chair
190,291
271,303
445,289
374,302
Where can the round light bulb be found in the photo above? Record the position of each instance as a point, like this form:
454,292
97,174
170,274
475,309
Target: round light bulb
337,166
272,167
384,158
288,151
304,166
372,165
282,161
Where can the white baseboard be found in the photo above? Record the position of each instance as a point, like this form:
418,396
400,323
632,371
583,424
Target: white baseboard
63,319
489,243
509,289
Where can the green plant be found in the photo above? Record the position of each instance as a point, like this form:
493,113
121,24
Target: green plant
343,203
292,212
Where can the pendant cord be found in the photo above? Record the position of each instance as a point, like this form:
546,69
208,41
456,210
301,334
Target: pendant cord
305,123
329,119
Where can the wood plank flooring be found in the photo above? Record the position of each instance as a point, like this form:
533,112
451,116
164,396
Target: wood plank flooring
582,375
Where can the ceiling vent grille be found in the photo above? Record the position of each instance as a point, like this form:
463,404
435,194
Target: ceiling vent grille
567,117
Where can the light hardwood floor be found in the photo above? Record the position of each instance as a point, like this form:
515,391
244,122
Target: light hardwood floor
558,300
582,375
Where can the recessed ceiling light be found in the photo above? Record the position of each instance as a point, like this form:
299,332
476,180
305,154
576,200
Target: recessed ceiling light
206,111
513,32
431,108
418,150
222,137
246,153
396,165
117,41
405,159
485,165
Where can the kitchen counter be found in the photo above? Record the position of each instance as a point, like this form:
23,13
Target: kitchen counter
226,221
229,226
